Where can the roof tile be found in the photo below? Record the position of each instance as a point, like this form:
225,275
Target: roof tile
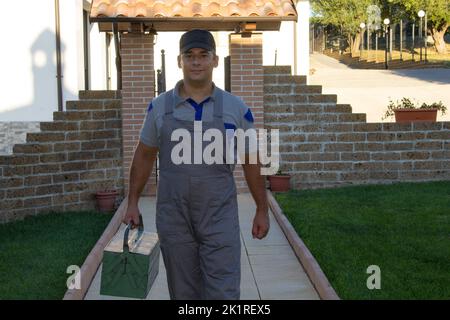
192,8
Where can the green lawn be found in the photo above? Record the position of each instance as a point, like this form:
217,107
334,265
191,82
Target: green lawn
402,228
36,252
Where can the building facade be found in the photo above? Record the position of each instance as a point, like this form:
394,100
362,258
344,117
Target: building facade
29,80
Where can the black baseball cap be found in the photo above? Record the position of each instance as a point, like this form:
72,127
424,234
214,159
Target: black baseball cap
197,38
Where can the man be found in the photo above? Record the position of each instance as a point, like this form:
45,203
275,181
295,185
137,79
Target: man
196,211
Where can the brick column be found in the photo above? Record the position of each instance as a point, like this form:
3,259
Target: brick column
247,82
138,83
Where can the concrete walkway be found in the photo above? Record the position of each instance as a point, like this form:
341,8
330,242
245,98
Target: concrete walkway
368,91
270,269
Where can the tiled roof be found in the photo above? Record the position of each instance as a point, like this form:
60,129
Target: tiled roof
218,13
192,8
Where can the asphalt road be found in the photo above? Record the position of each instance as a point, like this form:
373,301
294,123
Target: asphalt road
369,91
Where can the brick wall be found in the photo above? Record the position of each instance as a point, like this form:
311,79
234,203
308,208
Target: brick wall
60,168
138,86
247,83
324,144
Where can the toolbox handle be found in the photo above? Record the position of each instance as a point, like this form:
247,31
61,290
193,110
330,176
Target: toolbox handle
127,231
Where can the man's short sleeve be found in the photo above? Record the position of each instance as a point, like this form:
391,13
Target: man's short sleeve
247,123
149,131
244,115
247,119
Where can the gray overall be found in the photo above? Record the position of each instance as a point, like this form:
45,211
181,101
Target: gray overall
197,218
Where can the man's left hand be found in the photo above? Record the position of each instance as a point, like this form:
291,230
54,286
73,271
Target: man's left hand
261,224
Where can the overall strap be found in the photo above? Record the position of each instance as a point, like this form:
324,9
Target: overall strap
218,105
168,97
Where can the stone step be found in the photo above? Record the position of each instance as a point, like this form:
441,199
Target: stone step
271,109
344,108
311,127
322,98
291,88
45,137
86,115
308,127
275,70
307,89
342,141
72,115
59,126
99,94
285,79
303,117
30,148
273,99
353,117
314,118
330,118
93,104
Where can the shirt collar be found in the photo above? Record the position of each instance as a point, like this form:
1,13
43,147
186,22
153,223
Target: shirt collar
178,99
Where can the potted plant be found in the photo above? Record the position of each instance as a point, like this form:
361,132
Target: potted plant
106,200
409,111
280,182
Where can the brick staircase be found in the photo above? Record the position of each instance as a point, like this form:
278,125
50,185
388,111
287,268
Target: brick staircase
59,168
324,144
289,99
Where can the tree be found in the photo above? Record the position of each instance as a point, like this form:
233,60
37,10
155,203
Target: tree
438,14
346,15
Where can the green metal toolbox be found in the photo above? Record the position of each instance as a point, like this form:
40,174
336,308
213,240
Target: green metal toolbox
130,263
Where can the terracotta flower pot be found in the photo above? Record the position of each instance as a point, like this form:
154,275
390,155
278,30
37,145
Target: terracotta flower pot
280,183
414,115
106,200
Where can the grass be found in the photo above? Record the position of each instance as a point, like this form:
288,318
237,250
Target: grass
402,228
36,252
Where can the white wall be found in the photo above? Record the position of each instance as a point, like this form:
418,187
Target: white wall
28,61
301,66
97,57
72,40
28,84
112,66
281,42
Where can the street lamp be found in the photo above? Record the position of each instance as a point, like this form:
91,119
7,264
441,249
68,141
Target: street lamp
413,46
376,44
386,34
421,14
361,46
426,37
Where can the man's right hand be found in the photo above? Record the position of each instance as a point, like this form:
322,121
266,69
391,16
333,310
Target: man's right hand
132,216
